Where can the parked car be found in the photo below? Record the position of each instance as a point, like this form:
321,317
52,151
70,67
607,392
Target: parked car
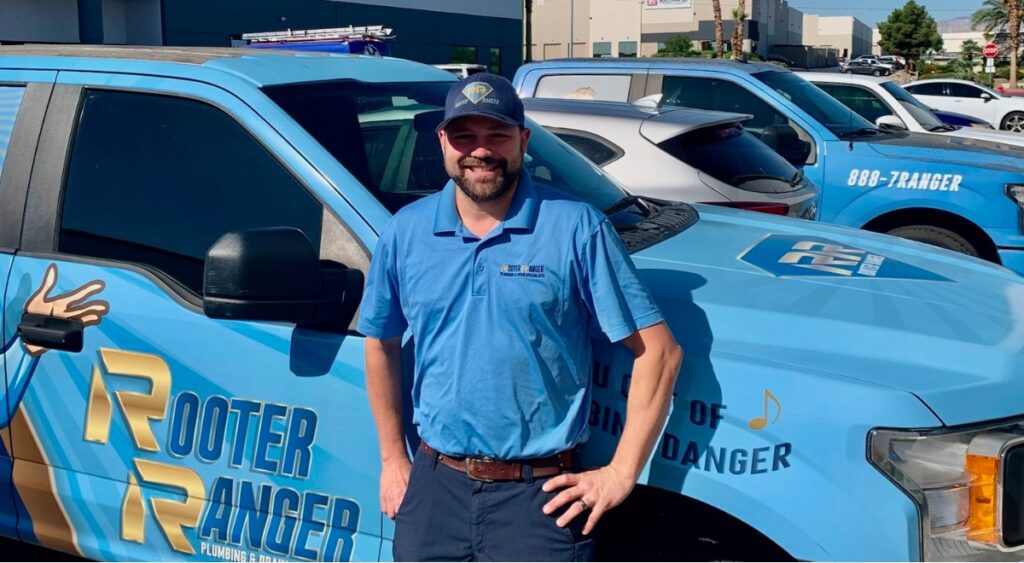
865,67
872,59
940,190
1005,90
978,101
960,119
838,385
893,62
679,154
886,104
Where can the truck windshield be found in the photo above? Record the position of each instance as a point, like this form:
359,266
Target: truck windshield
828,111
713,150
384,134
922,113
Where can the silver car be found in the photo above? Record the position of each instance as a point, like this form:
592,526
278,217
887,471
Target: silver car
680,154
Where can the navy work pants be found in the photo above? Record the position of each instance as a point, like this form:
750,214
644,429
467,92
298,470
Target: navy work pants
446,516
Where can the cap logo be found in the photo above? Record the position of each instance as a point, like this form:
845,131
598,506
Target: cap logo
476,91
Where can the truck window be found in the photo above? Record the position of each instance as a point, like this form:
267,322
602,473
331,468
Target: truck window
156,180
385,136
720,95
863,101
604,87
10,100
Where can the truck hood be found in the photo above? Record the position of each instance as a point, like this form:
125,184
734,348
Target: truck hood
959,150
850,304
1002,140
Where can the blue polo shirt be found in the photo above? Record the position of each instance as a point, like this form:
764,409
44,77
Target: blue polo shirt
502,324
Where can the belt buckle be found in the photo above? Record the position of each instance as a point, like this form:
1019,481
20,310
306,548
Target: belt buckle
467,462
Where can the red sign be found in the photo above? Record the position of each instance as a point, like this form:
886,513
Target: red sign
990,50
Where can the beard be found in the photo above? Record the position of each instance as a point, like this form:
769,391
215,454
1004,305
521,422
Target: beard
482,190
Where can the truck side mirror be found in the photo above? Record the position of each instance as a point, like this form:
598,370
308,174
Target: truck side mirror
890,122
784,140
274,274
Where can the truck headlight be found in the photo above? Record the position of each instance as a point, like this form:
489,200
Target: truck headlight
968,485
1016,193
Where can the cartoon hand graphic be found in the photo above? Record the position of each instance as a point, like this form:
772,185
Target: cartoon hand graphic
70,305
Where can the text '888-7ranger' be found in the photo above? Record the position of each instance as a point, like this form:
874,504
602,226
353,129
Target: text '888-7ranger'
844,395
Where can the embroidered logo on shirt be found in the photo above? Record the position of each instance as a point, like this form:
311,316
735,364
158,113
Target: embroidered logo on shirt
521,270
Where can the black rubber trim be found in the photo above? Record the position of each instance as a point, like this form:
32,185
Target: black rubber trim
664,224
17,169
40,229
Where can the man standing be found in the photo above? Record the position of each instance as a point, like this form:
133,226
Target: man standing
499,282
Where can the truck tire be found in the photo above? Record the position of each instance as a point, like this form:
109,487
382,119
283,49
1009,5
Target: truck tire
1014,121
936,236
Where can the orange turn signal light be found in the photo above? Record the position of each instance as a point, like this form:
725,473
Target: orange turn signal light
984,500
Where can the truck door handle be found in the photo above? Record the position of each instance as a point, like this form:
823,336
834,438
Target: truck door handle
51,332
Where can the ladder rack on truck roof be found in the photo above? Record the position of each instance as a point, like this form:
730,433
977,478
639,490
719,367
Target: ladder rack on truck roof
327,34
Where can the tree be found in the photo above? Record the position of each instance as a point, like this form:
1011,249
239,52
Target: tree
678,46
996,16
909,32
739,15
970,50
716,9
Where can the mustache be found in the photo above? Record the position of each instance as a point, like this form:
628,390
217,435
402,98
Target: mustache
470,162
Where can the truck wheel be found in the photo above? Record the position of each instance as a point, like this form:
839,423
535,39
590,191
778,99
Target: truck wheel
935,236
1013,122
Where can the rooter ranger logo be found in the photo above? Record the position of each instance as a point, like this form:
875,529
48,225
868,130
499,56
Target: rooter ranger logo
234,517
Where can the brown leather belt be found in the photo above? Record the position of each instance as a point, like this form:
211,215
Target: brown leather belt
489,470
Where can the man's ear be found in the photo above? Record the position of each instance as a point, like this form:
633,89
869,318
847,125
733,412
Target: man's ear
524,138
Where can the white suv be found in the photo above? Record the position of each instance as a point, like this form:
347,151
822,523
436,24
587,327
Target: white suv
973,99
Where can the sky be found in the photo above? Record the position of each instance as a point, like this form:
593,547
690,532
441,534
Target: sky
873,11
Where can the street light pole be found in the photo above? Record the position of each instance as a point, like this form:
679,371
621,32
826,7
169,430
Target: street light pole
571,2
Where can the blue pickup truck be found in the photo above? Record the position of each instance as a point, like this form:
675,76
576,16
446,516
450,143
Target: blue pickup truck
182,239
959,194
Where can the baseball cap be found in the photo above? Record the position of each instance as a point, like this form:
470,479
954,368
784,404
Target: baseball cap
486,95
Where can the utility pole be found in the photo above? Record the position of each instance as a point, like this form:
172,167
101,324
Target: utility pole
571,17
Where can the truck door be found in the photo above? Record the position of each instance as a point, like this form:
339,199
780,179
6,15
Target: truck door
171,434
23,98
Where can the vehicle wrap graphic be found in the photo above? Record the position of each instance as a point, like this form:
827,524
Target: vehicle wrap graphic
172,435
788,255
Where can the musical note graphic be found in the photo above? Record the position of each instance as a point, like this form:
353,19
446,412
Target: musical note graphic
760,422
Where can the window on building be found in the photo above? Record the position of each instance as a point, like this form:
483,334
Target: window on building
662,46
602,49
461,54
627,49
156,180
10,100
494,65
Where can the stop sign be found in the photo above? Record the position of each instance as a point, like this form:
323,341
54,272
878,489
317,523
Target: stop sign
990,50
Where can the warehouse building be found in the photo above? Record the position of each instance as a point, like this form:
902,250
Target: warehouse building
430,31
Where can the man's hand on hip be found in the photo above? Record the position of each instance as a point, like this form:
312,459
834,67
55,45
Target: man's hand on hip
394,480
594,491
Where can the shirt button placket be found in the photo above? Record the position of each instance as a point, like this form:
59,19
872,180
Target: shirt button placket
479,275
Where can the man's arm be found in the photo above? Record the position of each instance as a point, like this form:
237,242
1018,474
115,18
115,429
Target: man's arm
655,368
384,386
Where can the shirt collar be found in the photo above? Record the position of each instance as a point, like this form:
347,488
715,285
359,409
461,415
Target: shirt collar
522,212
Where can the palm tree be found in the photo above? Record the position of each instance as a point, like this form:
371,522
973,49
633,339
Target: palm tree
739,15
993,17
716,7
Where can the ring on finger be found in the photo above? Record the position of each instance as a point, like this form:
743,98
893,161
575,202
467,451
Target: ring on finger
583,504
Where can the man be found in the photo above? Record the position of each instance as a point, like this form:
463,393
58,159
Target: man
498,281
